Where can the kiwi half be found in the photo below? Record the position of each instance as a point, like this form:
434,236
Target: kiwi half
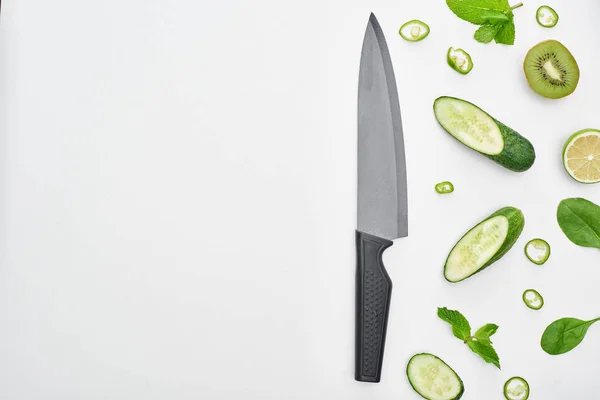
551,70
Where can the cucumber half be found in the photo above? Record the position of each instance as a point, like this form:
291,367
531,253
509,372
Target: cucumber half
433,379
484,244
477,130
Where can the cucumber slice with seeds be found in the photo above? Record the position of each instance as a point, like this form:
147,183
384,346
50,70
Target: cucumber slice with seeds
459,60
477,130
444,187
484,244
433,379
533,299
537,251
546,16
516,388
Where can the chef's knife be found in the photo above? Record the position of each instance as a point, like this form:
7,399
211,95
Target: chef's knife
382,199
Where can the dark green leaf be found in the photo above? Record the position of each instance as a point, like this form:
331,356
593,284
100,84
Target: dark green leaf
579,219
483,334
487,32
506,34
564,335
471,10
486,351
460,325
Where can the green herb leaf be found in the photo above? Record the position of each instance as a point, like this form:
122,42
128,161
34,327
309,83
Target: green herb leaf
579,219
460,326
473,10
484,333
506,34
564,335
494,17
486,351
487,32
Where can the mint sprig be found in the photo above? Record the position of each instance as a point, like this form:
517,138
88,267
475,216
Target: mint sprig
480,343
495,17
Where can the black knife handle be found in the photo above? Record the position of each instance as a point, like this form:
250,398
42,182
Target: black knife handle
373,294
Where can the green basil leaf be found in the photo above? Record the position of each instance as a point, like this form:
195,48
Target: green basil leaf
493,16
564,335
506,33
579,219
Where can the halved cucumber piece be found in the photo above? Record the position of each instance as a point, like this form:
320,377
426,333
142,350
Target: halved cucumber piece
433,379
484,244
477,130
537,251
516,388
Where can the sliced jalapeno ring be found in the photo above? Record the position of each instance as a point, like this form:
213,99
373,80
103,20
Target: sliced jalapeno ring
444,187
516,388
414,30
533,299
546,16
537,251
459,60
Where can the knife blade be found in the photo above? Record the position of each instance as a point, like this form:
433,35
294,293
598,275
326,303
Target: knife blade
382,198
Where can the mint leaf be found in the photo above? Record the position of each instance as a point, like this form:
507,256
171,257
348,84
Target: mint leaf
506,34
487,32
485,351
494,17
460,326
471,10
483,334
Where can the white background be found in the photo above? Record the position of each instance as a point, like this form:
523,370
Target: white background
178,200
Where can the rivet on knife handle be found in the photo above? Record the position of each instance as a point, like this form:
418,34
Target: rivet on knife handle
373,294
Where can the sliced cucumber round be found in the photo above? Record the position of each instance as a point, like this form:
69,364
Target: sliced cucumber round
433,379
477,130
537,251
484,244
533,299
516,388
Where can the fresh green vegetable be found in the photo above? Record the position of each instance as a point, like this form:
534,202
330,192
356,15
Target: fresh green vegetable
579,219
484,244
495,17
459,60
414,30
516,388
533,299
477,130
433,379
444,187
537,251
564,335
480,343
580,159
546,16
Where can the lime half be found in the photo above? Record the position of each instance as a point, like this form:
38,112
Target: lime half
581,156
